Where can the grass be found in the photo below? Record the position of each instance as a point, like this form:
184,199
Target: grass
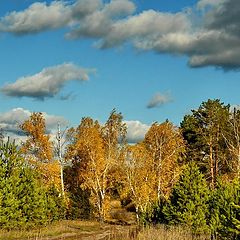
59,229
91,230
163,232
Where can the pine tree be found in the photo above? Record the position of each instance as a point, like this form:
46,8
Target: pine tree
204,131
24,202
224,211
188,201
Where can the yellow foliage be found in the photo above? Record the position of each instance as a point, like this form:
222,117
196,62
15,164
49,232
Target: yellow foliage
166,145
38,150
140,177
38,143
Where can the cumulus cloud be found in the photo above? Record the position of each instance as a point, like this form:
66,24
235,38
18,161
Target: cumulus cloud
86,15
98,23
10,121
47,83
208,33
38,17
206,3
159,99
136,131
146,26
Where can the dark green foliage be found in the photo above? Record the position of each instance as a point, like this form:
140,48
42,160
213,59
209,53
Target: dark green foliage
188,201
224,209
55,205
23,201
79,204
155,215
204,132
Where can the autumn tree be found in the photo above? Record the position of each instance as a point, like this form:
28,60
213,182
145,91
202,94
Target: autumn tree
165,144
88,154
140,178
203,130
38,149
38,143
59,153
114,138
96,151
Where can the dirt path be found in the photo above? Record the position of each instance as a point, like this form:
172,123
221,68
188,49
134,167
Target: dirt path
107,232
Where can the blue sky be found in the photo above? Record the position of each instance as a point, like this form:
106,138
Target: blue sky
150,59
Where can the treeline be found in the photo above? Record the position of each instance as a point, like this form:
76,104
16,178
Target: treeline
187,175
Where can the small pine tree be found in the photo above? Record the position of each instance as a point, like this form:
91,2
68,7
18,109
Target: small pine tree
24,202
55,203
188,201
224,209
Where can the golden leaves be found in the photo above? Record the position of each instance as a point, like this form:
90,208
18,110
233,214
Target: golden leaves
38,143
38,149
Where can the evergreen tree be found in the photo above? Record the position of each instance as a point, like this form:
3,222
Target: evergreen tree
224,211
24,202
204,131
188,201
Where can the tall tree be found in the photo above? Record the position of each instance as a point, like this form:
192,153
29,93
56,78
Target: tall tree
38,149
88,153
59,151
114,136
232,140
203,131
96,152
38,143
140,179
166,146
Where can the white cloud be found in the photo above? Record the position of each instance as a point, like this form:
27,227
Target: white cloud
208,33
205,3
10,121
82,14
47,83
38,17
97,24
159,99
136,131
146,26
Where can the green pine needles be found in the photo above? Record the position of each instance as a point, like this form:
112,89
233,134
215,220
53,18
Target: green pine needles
224,209
24,202
188,202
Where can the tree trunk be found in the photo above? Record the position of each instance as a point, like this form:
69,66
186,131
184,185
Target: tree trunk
62,181
211,165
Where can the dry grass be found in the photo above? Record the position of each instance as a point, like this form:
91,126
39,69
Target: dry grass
163,232
58,230
90,230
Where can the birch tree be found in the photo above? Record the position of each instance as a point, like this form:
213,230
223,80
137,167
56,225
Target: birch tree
166,145
89,161
140,178
38,149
